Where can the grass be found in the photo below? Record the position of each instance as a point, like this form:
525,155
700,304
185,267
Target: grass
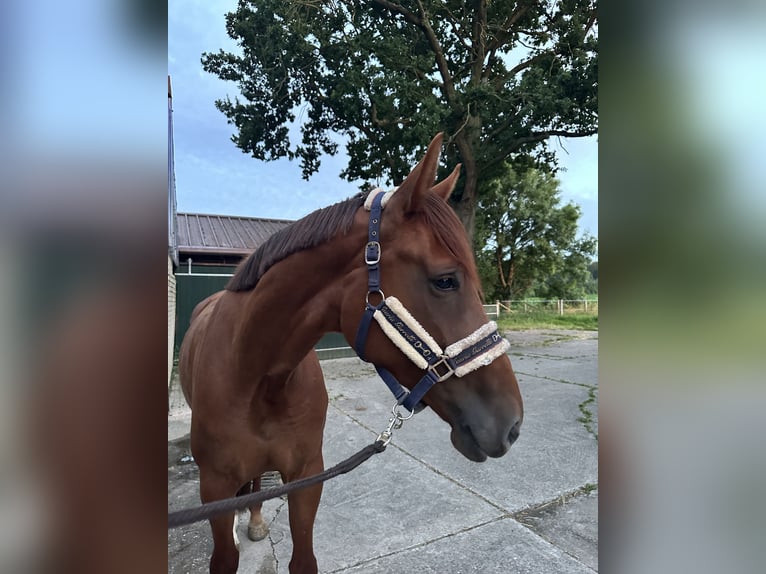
547,320
588,488
587,416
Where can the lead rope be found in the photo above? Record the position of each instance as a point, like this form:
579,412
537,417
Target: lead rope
217,507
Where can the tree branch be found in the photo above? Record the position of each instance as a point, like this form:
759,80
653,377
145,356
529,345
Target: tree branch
479,40
501,37
422,22
441,61
399,9
590,23
460,129
536,137
526,64
456,26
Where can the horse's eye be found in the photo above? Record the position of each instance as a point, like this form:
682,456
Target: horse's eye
445,283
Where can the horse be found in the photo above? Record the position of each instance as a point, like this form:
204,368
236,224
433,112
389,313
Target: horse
255,386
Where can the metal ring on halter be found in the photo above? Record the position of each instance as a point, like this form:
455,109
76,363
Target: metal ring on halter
398,415
382,296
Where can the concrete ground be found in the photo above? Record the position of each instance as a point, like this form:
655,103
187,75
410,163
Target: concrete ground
420,507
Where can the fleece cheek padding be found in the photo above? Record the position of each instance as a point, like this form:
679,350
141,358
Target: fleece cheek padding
402,314
484,359
396,337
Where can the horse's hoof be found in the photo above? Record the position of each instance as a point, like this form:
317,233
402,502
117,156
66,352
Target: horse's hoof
258,532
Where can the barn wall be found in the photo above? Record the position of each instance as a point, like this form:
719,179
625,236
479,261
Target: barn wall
194,288
206,280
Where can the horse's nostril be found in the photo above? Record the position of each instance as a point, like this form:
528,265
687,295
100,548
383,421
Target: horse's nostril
514,434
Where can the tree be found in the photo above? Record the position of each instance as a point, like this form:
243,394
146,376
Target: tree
571,280
593,269
591,286
499,78
528,240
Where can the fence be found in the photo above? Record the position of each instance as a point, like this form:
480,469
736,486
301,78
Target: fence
559,306
493,309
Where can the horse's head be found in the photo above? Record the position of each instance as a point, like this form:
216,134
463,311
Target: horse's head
427,264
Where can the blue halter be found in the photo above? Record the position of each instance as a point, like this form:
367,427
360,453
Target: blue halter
440,366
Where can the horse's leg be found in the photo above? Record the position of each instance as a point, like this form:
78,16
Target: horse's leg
256,528
302,508
225,558
246,489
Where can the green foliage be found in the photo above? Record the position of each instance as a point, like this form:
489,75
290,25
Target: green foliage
591,283
498,77
528,243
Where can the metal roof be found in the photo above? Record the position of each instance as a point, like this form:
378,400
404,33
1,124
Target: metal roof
224,234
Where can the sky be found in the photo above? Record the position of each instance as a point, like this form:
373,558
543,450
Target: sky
214,176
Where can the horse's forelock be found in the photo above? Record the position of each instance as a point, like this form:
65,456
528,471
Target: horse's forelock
450,233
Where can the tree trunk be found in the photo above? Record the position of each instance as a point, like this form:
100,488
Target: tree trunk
466,210
499,261
465,207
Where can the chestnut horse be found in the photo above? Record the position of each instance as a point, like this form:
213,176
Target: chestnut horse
255,386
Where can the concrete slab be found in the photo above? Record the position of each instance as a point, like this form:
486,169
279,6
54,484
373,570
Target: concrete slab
420,506
499,547
389,504
577,369
554,454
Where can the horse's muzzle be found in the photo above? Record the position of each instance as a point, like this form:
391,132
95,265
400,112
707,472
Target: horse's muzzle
514,433
478,442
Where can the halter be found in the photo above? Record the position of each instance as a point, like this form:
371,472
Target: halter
476,350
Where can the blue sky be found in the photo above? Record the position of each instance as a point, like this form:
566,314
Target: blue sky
214,176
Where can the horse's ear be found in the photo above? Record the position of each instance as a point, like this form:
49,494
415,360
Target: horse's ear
444,188
421,178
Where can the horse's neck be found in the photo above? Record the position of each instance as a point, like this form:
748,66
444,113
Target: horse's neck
294,304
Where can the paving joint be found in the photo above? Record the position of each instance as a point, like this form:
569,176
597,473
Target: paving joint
564,381
558,501
430,467
422,544
536,511
271,538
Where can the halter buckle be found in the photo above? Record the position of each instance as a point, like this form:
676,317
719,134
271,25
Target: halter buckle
372,253
442,369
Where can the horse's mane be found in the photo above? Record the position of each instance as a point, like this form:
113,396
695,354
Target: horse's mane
313,230
321,225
